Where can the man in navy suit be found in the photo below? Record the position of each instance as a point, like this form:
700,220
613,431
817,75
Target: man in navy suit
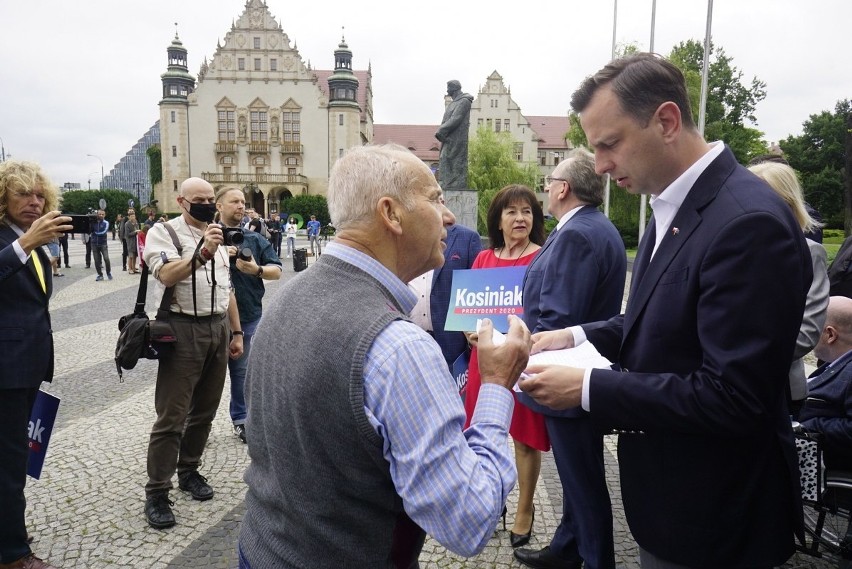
435,287
828,408
709,473
28,220
577,276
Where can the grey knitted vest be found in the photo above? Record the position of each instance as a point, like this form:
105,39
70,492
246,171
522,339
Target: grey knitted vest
320,493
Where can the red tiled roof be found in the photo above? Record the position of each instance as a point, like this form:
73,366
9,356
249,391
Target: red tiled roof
419,138
551,130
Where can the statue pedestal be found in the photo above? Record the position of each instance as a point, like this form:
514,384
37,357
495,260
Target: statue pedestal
463,204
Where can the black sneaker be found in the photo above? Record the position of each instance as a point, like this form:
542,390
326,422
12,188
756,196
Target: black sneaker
158,511
196,485
240,431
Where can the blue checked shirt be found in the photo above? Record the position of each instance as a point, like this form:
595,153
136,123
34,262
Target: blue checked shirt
453,483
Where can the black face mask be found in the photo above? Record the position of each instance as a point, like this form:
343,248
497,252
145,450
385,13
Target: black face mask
204,212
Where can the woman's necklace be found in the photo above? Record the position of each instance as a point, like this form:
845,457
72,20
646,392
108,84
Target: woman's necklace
519,256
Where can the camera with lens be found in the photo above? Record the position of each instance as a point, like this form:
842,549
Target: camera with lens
244,254
82,223
233,236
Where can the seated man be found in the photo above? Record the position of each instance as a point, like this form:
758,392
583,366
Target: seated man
828,408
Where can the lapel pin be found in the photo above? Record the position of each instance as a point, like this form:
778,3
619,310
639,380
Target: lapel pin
675,230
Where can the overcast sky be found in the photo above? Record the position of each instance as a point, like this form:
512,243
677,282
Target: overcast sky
84,77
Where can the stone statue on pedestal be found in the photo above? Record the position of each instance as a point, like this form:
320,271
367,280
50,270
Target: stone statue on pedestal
453,134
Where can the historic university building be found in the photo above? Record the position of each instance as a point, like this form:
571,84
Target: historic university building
258,117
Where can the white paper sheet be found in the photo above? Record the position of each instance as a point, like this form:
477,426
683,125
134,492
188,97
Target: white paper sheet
583,356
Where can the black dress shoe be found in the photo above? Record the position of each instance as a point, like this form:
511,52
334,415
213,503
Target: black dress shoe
196,485
545,559
158,511
519,539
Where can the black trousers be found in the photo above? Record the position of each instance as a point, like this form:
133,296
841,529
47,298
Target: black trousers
63,243
15,408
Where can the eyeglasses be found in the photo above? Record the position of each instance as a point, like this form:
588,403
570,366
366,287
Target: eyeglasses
549,180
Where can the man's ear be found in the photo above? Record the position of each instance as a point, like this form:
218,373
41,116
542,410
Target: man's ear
389,213
669,120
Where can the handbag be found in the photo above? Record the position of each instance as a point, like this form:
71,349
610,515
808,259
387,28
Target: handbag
141,337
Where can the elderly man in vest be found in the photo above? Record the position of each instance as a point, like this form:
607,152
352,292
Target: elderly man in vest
357,445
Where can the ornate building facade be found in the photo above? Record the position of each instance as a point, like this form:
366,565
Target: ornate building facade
258,117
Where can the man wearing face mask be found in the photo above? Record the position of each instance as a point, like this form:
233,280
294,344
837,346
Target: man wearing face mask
206,322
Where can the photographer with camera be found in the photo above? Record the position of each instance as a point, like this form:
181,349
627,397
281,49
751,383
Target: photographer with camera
191,376
252,260
28,220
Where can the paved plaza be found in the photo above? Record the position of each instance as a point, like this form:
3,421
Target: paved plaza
87,509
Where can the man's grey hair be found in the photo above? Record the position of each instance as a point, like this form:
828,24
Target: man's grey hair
364,175
579,170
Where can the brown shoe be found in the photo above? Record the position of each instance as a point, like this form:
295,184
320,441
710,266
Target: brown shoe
27,562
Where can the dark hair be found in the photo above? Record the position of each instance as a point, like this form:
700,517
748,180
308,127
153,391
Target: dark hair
777,158
506,197
641,82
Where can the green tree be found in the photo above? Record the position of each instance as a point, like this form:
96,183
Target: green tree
81,201
731,101
306,206
576,135
155,164
492,166
819,155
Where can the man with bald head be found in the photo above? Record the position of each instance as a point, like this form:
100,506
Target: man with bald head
828,408
357,444
206,322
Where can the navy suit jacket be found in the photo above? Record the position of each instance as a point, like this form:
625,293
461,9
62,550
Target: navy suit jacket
578,276
26,339
828,410
463,245
705,346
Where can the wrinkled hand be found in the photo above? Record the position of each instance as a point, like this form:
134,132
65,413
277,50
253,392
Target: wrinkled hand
553,340
44,229
213,237
503,364
472,338
235,348
557,387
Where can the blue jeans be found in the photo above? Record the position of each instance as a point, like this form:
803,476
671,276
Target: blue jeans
237,369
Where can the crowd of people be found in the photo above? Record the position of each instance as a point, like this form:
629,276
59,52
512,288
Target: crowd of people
359,441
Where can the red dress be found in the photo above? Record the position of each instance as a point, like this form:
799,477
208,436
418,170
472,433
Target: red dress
527,425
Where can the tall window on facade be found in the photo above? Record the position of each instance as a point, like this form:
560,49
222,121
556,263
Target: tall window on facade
174,151
256,43
497,125
519,151
506,125
488,124
241,63
273,64
479,122
174,185
173,116
227,133
258,126
340,119
292,127
227,166
257,64
557,158
173,90
542,157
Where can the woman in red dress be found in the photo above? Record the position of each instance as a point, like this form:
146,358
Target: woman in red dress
516,232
